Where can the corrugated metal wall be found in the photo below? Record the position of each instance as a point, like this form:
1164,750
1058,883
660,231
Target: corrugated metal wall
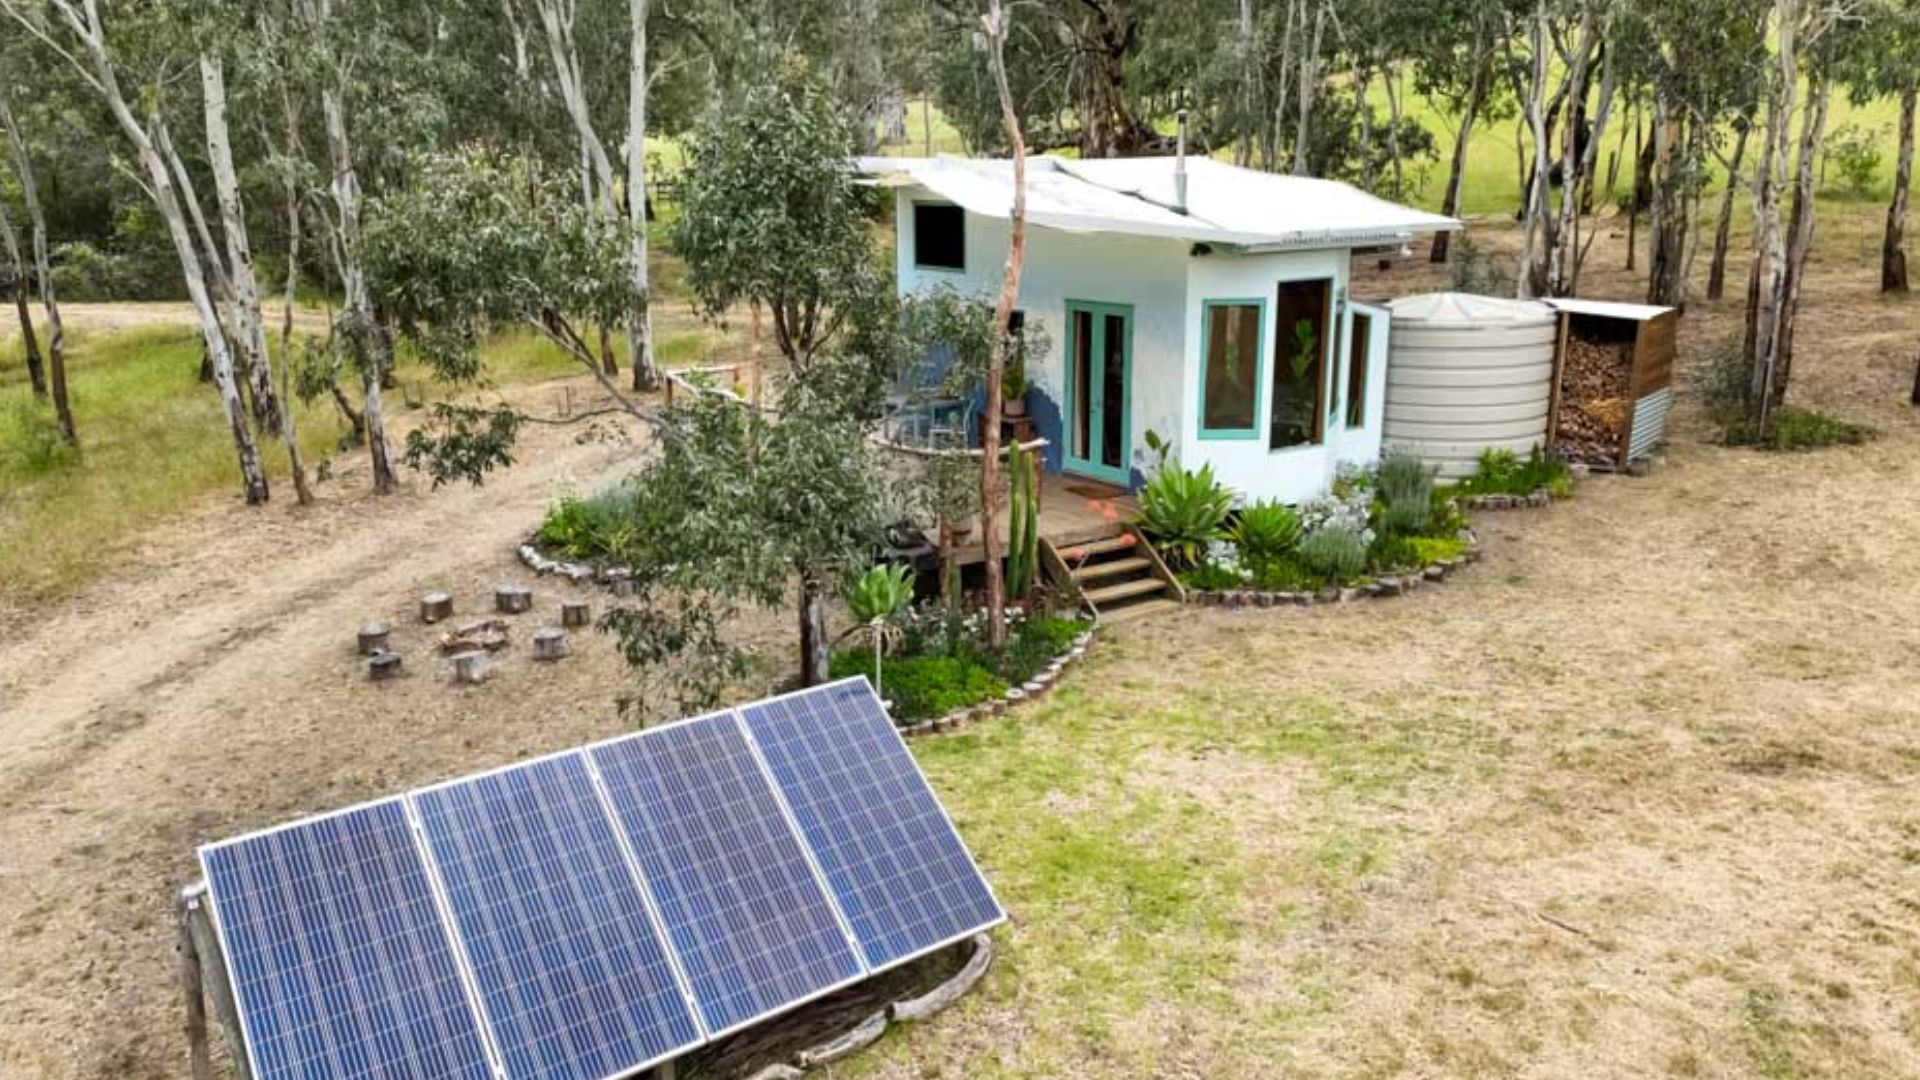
1650,423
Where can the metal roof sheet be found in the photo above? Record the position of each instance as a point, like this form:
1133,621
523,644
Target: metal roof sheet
1611,309
1225,204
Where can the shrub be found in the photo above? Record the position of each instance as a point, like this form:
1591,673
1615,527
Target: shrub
1406,495
30,426
1798,429
1034,643
1855,152
880,593
1503,472
1285,574
1265,531
597,527
923,687
1336,553
1211,577
1399,553
1182,510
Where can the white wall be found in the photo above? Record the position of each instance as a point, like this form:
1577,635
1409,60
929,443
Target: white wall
1168,288
1247,465
1147,273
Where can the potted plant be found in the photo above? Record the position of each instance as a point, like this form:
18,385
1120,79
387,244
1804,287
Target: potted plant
1013,383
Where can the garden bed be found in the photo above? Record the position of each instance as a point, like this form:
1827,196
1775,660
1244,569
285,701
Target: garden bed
940,675
1390,584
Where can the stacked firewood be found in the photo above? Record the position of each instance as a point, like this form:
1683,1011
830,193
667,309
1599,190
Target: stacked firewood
1596,400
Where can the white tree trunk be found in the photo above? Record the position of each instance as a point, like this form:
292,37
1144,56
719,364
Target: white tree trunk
1769,243
646,370
249,329
1535,244
82,18
1309,90
56,374
369,354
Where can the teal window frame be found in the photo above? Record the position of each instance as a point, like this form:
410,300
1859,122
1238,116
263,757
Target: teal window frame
1091,466
1247,434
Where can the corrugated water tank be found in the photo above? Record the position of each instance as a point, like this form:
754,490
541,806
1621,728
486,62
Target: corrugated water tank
1468,373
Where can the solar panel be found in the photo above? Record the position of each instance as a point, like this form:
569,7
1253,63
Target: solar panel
892,856
573,977
338,957
741,900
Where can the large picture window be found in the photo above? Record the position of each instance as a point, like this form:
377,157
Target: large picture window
1230,376
1301,318
939,236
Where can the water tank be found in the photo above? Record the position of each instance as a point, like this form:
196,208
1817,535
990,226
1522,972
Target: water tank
1468,373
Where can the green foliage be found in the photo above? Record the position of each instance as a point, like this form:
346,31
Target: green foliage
33,433
955,334
463,443
923,687
1335,553
880,593
1396,553
1799,429
1472,269
1182,510
597,527
1503,472
1265,530
1284,573
1210,577
1405,495
1856,156
770,210
1296,406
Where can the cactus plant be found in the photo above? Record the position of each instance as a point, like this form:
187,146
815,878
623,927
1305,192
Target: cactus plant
1023,525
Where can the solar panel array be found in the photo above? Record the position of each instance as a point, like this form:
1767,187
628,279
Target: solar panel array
590,914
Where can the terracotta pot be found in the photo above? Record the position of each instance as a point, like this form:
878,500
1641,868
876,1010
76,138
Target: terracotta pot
1014,407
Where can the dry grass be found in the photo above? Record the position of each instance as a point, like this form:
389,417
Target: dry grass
1631,798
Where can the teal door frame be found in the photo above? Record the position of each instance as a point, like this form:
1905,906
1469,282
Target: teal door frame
1098,406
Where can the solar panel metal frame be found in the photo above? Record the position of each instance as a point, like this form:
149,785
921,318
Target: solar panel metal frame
449,926
462,967
945,818
800,840
444,898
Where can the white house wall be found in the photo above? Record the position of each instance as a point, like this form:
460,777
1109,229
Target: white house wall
1247,465
1167,288
1148,274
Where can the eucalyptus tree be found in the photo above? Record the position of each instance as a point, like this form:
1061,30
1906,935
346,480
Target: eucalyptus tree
1885,62
772,212
1456,64
52,380
76,31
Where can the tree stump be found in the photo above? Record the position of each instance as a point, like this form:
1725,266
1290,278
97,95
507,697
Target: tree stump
575,613
373,637
549,643
473,667
435,606
512,599
383,664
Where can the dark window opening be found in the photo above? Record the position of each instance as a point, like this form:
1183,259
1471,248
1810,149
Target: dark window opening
939,236
1230,402
1357,370
1300,363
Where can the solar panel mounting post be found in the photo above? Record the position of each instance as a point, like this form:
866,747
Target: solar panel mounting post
203,982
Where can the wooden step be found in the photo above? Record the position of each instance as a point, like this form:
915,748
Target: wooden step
1121,542
1112,568
1124,590
1138,611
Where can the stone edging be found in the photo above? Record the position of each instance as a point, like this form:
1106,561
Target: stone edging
907,1010
578,573
1534,501
1384,585
1032,690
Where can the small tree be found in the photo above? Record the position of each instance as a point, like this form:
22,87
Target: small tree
771,212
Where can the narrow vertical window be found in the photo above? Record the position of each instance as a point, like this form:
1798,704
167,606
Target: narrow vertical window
1230,375
1357,369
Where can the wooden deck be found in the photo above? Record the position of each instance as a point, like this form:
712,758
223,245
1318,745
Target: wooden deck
1073,511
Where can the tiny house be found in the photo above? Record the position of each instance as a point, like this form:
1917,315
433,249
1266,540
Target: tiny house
1186,297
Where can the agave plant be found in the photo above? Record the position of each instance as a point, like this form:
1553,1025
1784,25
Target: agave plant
1181,511
880,593
1265,530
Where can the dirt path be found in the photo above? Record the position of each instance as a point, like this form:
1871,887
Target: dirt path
201,677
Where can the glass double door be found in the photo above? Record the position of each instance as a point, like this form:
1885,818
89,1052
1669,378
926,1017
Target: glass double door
1099,384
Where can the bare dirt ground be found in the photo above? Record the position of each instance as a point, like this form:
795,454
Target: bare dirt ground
1633,797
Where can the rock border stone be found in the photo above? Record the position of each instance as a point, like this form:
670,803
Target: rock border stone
578,573
1385,585
1535,500
1033,689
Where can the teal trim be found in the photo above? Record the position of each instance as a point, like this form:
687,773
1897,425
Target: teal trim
1091,465
1252,430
